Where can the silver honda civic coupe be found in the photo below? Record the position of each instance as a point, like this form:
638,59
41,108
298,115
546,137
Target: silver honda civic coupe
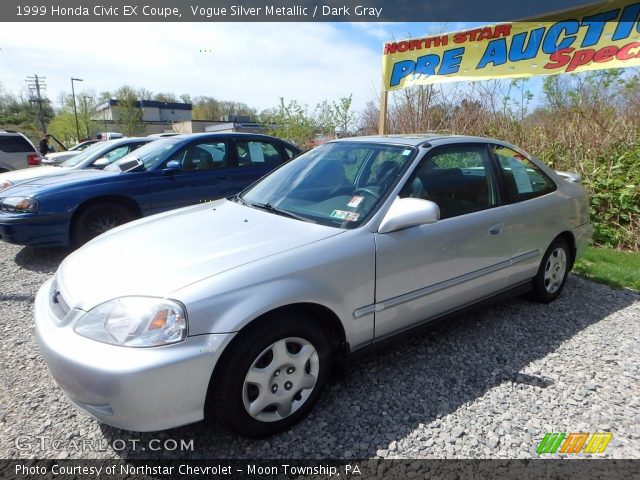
242,307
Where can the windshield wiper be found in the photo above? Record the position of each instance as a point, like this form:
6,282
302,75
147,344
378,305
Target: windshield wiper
268,207
238,199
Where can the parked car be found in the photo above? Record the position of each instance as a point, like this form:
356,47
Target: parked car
241,307
168,173
98,155
17,151
56,158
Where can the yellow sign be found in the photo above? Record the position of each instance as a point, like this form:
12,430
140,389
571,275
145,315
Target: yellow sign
591,38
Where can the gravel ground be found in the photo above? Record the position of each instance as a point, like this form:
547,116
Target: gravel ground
488,385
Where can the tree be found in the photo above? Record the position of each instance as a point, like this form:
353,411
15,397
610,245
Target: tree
343,116
292,122
325,118
168,97
129,111
208,108
17,113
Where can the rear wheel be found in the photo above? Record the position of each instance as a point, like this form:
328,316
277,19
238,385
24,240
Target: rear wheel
272,376
97,219
553,272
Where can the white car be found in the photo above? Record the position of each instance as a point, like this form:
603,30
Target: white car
16,152
56,158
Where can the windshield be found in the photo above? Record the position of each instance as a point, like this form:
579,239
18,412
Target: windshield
150,154
337,184
89,152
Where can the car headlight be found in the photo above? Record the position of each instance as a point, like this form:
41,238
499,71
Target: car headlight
5,184
19,204
135,322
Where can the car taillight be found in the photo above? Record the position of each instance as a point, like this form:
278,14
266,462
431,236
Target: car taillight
34,159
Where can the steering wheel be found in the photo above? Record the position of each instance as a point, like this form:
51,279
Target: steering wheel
367,191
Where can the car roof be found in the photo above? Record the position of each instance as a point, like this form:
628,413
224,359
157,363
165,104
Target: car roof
116,141
418,139
231,135
10,132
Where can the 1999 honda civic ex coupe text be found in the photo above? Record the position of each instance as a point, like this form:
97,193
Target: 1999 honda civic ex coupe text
241,307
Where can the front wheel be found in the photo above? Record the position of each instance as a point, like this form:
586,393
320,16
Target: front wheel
97,219
553,272
272,376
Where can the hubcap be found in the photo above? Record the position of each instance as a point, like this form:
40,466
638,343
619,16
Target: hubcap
555,270
281,379
104,221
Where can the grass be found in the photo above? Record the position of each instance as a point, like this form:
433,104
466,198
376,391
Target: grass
612,267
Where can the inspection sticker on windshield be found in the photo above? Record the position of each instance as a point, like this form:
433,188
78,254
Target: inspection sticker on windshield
341,214
355,201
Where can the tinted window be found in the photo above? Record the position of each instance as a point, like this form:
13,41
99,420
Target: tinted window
14,144
257,153
458,179
205,155
521,178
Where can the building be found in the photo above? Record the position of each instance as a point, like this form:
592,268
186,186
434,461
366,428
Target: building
152,111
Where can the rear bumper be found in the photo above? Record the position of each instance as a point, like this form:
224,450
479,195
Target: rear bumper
582,235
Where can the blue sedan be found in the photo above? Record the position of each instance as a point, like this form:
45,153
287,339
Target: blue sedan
70,209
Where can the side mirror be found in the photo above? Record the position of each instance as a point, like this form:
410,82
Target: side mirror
101,162
172,166
409,212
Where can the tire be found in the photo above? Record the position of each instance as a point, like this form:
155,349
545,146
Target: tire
97,219
271,376
552,274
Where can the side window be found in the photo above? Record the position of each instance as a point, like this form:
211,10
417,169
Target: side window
457,178
257,153
208,155
521,178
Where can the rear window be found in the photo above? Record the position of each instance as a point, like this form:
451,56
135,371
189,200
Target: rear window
15,144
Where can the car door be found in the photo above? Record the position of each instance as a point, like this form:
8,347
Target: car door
254,158
536,216
203,175
428,270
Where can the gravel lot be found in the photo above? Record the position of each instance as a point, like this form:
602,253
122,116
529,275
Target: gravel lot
488,385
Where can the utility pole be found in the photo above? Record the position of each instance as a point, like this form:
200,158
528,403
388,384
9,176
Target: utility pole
86,112
75,111
37,85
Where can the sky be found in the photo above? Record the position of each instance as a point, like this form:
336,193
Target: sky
253,63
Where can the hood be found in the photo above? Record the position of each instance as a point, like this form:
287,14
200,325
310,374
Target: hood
163,253
58,155
26,174
58,176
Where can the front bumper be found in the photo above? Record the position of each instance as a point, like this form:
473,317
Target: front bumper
33,229
139,389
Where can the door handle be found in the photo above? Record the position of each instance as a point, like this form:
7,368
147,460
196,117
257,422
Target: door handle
496,229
